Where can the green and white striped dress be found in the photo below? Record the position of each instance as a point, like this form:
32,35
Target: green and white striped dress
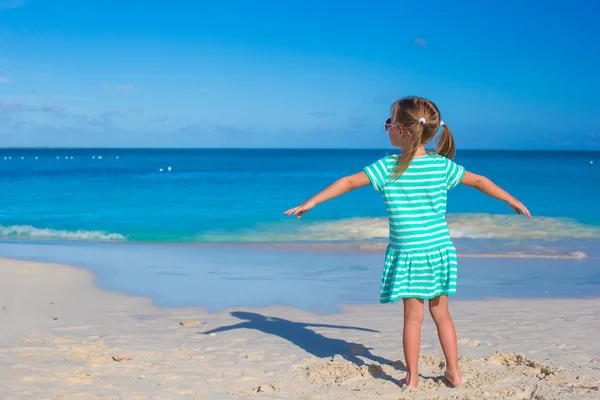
420,259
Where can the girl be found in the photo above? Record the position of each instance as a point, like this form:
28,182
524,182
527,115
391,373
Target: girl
420,260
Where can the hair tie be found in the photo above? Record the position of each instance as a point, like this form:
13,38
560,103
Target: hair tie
442,123
422,121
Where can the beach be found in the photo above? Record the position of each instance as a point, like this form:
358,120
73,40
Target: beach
62,337
229,200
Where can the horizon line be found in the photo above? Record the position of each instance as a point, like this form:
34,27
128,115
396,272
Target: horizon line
276,148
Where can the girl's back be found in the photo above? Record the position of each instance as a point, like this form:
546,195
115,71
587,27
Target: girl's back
416,200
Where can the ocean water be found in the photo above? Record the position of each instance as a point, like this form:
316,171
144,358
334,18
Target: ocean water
208,230
238,196
228,277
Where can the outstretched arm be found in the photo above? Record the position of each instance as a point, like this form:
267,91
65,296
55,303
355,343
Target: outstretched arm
227,328
488,187
339,327
336,189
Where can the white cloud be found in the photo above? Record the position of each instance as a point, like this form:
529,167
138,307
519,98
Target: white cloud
4,79
112,114
9,112
109,87
421,42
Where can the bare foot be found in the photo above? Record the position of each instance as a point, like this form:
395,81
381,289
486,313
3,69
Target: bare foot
453,378
408,382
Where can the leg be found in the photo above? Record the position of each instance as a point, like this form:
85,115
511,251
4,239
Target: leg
411,338
438,307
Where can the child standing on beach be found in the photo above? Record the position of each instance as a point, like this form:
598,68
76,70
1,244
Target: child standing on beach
420,261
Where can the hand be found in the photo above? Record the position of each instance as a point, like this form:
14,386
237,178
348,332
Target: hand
301,209
518,207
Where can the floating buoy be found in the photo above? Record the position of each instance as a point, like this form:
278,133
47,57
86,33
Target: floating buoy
22,158
71,157
160,170
591,163
66,157
169,169
57,157
99,157
36,157
117,157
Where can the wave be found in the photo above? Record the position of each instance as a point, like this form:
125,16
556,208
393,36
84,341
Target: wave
31,232
362,231
490,226
462,226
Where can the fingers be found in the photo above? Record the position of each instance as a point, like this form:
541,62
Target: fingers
296,211
292,211
520,209
523,209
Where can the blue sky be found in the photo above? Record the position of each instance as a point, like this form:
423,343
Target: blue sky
513,75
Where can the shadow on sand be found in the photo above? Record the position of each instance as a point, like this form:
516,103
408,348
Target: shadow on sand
314,343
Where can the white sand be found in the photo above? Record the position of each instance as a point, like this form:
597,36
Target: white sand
59,334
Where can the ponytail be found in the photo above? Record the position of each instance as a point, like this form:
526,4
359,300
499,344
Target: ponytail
406,158
445,146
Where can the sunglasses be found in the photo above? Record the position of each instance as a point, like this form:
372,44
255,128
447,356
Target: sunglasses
387,124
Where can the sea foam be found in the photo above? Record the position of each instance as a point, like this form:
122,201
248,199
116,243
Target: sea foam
468,226
31,232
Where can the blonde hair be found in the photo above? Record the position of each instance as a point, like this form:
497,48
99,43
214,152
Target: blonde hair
409,113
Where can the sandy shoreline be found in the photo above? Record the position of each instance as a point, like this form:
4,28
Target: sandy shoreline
60,335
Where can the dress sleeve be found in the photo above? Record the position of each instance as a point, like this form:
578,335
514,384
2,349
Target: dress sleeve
378,173
454,174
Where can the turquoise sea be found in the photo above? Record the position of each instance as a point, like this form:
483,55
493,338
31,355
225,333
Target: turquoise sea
61,204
